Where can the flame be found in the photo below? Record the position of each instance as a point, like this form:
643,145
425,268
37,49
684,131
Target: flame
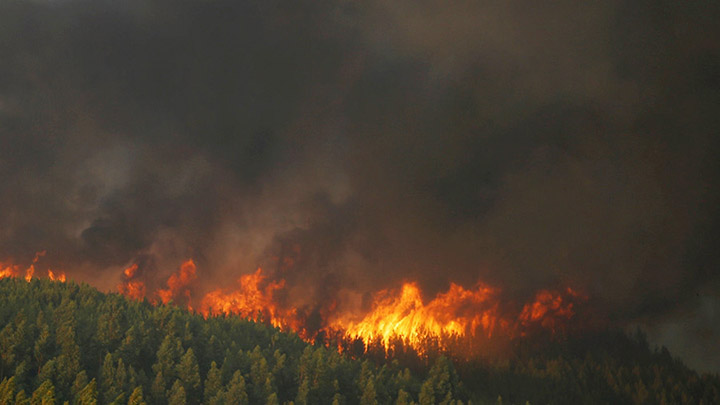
255,296
56,276
178,283
8,270
470,316
131,287
31,270
456,313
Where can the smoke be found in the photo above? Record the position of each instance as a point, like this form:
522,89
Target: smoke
348,146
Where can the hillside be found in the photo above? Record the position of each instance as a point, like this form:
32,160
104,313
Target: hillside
67,342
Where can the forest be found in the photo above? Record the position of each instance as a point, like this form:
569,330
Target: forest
70,343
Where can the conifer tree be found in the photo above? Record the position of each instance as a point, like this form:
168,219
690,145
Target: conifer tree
108,387
369,395
88,395
236,390
272,399
167,357
403,398
136,398
43,345
213,382
303,391
79,383
177,396
158,389
21,398
189,375
427,394
7,390
44,394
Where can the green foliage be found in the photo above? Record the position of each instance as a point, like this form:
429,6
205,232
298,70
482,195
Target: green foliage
44,394
136,398
71,343
189,374
88,395
177,396
213,383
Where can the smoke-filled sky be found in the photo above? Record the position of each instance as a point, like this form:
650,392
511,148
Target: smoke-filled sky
349,146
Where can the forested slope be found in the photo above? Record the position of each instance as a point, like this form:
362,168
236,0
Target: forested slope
64,342
68,342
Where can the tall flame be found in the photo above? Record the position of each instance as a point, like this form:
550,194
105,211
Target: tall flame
458,314
254,296
178,283
130,286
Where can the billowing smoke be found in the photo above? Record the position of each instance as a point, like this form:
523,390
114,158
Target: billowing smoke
349,146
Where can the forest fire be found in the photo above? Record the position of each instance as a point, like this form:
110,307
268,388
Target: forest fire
458,314
131,287
402,314
56,276
11,270
253,297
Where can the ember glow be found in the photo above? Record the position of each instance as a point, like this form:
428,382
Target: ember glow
403,314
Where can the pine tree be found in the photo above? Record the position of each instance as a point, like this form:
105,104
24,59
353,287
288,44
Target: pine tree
21,398
158,389
177,396
236,390
189,375
7,390
68,362
21,375
259,376
403,398
43,345
427,394
88,395
213,383
369,395
167,357
272,399
7,349
44,394
136,398
303,391
80,382
108,380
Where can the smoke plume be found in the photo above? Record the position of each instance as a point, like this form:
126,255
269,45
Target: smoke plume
346,147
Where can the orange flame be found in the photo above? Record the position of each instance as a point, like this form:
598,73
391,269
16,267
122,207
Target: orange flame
56,276
130,287
253,297
8,270
13,271
178,283
31,270
456,315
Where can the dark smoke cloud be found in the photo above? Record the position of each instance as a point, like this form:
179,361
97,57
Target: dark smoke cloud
347,146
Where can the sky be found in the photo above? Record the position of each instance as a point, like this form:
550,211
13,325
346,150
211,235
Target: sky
350,146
